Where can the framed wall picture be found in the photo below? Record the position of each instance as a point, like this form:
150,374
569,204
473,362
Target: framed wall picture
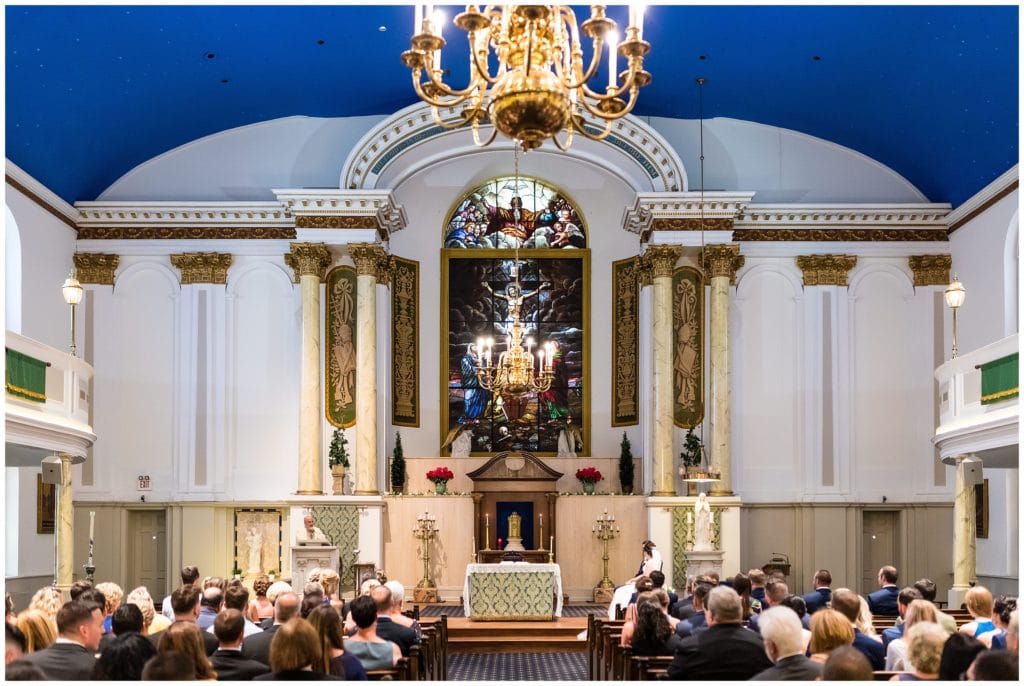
46,506
258,540
981,509
363,571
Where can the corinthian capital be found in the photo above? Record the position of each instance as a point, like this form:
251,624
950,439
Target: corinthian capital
308,259
369,258
662,259
202,267
826,270
722,260
96,267
930,270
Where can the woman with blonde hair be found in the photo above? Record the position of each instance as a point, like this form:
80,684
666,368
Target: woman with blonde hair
260,607
864,621
331,582
152,621
112,596
896,652
39,630
184,638
979,603
925,641
47,600
830,629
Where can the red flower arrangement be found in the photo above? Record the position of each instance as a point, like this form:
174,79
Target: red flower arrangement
589,475
440,475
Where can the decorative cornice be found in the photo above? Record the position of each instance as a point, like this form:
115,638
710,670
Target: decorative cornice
689,224
920,215
661,211
722,260
930,270
203,267
190,233
24,182
661,260
96,268
369,259
379,206
308,259
182,214
825,270
850,235
1007,182
334,222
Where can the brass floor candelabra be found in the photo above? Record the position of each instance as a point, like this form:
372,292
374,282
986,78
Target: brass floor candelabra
605,529
425,531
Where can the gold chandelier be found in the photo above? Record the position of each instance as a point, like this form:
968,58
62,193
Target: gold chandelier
541,85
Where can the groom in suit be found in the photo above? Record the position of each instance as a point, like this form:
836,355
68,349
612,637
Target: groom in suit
883,601
73,656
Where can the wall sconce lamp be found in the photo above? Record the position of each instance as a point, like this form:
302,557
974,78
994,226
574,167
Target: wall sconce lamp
73,292
955,295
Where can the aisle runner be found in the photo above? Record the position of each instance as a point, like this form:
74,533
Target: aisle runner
567,611
517,667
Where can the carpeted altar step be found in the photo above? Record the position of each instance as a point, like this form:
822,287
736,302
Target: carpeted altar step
561,635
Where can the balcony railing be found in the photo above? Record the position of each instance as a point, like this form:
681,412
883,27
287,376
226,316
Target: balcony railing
965,424
61,422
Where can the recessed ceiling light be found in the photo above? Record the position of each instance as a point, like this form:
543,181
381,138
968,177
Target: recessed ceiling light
210,55
223,80
702,57
816,58
321,41
382,28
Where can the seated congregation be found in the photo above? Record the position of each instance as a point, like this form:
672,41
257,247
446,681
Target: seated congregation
210,628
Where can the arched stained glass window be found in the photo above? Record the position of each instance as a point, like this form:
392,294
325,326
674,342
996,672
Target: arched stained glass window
515,212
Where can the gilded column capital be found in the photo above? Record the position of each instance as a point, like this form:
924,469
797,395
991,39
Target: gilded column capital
825,270
930,270
369,258
203,267
98,268
660,260
308,258
722,259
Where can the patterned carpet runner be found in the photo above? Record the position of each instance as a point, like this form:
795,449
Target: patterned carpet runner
457,611
517,667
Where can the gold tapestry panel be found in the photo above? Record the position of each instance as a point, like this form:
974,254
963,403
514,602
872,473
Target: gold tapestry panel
405,349
340,350
687,346
625,342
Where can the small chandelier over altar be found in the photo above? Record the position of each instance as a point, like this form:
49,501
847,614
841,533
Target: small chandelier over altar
515,373
541,86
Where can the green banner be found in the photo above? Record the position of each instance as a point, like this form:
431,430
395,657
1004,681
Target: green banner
26,376
999,380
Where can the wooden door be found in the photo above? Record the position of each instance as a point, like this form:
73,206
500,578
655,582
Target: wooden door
879,547
147,552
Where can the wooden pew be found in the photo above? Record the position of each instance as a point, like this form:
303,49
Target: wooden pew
885,676
649,667
399,672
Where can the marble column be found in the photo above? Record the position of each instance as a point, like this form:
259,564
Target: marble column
310,261
368,258
964,530
720,265
64,530
662,259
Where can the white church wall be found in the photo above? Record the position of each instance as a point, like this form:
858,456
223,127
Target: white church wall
47,244
12,273
32,552
781,164
766,381
997,561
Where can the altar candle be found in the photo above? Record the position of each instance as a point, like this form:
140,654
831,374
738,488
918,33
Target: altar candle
487,520
551,546
542,521
92,525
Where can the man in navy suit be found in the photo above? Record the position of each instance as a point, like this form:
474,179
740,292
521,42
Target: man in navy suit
883,601
907,595
847,603
228,661
73,656
820,597
697,622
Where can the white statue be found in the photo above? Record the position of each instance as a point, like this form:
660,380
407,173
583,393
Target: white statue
702,524
463,444
255,540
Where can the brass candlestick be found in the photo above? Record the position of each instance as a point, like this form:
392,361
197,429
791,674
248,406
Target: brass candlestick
425,531
487,532
605,530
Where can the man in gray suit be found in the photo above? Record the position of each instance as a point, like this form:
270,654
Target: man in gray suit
783,644
73,656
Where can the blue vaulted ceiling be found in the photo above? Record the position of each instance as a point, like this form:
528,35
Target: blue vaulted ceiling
91,91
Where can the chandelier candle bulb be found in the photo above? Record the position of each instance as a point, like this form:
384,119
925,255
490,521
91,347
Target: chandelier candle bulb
418,21
613,44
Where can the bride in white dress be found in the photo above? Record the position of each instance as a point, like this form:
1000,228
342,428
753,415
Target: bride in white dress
652,561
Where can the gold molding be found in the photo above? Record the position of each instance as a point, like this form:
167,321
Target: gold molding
930,270
847,235
191,233
308,259
331,221
368,258
722,259
825,270
203,267
692,224
625,342
687,347
96,267
340,392
662,259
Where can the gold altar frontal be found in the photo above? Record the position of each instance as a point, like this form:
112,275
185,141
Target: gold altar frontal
508,591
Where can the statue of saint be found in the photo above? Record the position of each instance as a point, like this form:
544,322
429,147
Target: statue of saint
255,540
702,524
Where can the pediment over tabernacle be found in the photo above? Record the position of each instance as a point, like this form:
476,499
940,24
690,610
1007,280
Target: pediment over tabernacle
514,466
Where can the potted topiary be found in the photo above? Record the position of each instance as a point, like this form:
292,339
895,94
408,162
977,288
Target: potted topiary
626,466
398,466
338,459
236,572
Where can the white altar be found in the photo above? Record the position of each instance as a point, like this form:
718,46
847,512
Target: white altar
512,591
307,557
